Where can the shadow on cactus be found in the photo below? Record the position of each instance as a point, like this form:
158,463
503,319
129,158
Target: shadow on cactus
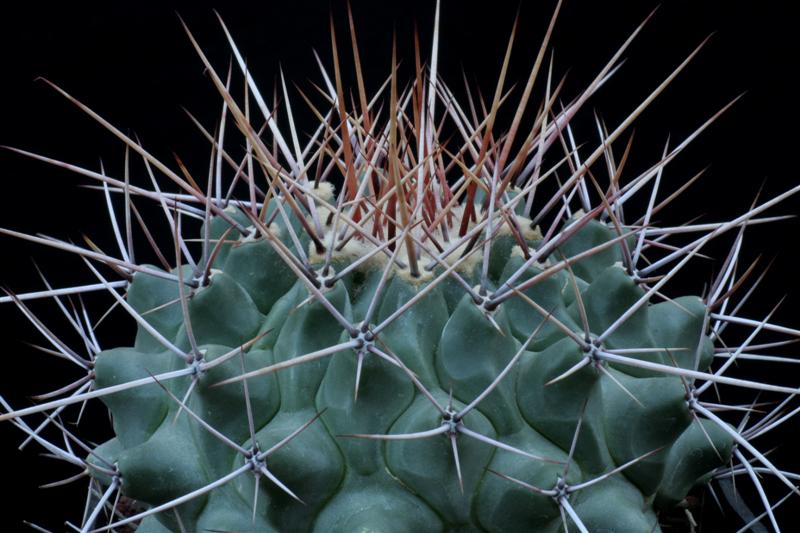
379,331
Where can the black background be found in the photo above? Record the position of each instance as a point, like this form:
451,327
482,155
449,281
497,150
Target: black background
133,64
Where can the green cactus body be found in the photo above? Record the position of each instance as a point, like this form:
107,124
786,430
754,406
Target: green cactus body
348,482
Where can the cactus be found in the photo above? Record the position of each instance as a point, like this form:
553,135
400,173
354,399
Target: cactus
381,331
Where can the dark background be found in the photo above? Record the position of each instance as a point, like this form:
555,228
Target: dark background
134,65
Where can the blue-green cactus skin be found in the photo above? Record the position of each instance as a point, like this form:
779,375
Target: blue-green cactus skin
352,484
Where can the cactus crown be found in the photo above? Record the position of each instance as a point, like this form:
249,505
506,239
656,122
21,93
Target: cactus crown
381,329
